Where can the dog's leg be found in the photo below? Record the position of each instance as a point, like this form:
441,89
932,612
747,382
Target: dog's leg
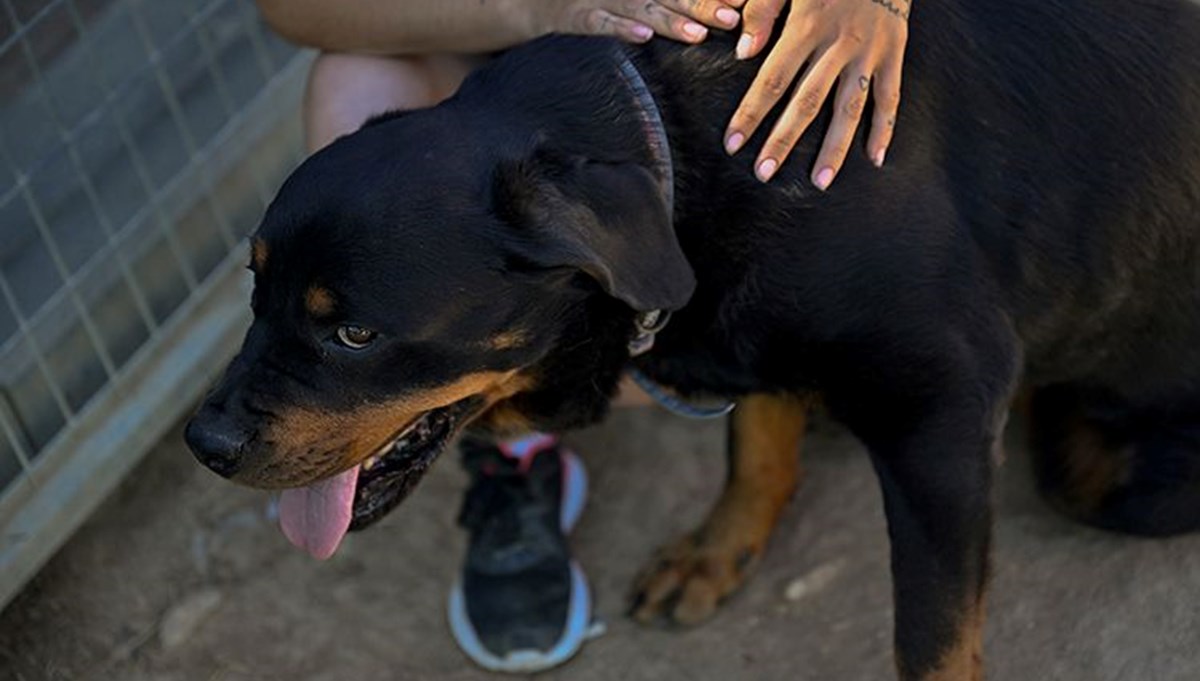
932,440
688,578
936,496
1115,465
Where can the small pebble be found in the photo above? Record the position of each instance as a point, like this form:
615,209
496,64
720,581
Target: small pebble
182,619
812,582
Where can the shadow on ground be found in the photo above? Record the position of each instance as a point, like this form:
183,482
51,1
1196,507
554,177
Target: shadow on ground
183,576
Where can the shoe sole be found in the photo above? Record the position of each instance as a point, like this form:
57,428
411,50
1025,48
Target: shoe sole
574,634
575,488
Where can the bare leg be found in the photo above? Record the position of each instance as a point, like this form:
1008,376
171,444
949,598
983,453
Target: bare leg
344,90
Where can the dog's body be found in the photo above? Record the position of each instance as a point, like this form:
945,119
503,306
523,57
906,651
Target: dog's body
1039,214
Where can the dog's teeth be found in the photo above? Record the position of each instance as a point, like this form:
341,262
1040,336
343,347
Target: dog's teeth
370,462
407,430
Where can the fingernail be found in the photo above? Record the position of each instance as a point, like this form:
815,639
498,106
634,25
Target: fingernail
696,31
767,168
877,159
728,16
642,32
824,178
734,142
743,47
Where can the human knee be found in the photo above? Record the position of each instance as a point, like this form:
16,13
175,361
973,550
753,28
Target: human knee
345,90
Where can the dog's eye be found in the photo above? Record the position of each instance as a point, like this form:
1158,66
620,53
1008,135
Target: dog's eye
355,337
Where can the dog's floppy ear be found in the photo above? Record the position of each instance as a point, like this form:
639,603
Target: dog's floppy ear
609,220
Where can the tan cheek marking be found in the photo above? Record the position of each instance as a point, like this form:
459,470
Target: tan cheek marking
505,421
258,254
318,301
359,433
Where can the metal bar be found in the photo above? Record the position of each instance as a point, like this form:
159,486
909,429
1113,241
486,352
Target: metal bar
60,483
42,13
13,436
39,357
251,25
189,141
173,186
92,117
39,219
113,431
139,168
218,76
89,188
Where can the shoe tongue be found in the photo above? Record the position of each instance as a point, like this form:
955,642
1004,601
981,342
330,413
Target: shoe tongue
315,518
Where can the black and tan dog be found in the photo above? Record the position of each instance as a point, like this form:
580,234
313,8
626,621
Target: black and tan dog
488,261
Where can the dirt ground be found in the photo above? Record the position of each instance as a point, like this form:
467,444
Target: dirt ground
184,576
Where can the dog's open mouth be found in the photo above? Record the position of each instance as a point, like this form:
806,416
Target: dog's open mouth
317,517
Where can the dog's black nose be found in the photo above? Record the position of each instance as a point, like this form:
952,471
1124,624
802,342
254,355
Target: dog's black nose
214,446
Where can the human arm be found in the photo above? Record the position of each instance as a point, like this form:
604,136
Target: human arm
399,27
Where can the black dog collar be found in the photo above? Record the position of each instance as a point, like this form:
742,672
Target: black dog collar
651,322
656,132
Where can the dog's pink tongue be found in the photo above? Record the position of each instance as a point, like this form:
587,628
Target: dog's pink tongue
315,518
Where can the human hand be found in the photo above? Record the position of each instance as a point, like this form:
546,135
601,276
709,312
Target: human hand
636,21
859,43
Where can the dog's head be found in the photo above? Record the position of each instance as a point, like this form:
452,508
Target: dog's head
420,275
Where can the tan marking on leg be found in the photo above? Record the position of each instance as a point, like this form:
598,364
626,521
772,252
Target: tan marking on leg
692,575
963,661
258,255
304,444
1091,468
319,301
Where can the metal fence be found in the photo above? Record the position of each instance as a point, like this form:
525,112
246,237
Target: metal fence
139,142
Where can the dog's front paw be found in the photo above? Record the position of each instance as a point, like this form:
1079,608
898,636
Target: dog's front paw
686,580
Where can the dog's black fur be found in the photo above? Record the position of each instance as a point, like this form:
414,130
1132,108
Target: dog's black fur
1039,215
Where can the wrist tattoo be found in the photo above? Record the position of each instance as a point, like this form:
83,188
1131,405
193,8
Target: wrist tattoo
897,8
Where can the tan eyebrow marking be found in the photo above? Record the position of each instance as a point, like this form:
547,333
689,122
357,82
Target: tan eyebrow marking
506,340
318,301
258,254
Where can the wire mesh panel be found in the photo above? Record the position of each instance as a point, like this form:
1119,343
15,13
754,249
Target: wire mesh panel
139,141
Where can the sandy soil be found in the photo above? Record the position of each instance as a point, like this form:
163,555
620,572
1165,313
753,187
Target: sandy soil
184,576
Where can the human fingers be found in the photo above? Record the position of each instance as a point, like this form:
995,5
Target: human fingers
886,95
771,83
661,18
851,98
758,19
714,13
601,22
798,113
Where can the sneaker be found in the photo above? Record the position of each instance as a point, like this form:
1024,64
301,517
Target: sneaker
521,603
